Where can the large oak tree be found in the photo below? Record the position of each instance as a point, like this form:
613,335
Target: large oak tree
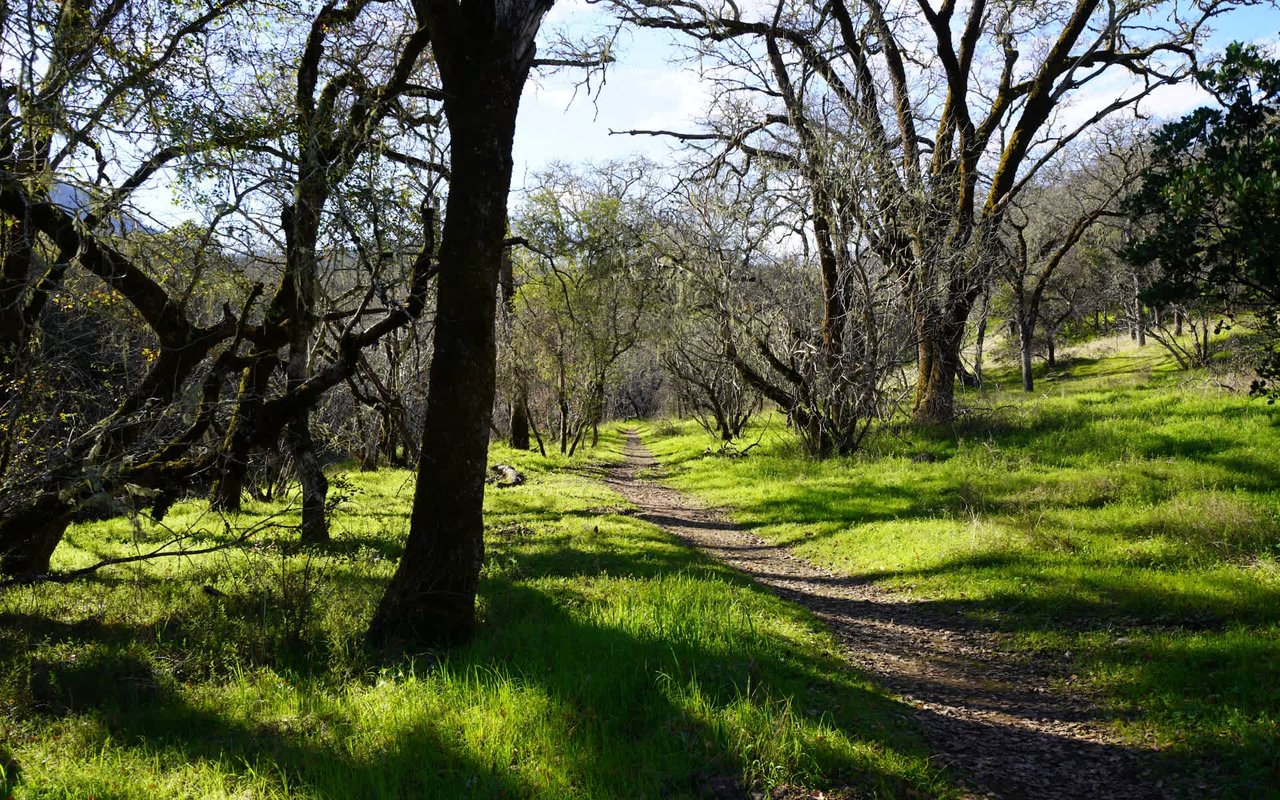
484,50
915,126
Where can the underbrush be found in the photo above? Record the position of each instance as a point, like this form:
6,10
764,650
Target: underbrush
610,662
1123,521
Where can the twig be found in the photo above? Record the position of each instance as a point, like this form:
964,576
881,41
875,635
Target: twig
159,552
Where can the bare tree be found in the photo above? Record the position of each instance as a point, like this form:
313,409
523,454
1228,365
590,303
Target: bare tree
709,386
708,238
945,115
813,318
587,288
342,98
79,87
100,99
1042,233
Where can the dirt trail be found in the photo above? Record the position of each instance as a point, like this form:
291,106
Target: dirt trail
993,718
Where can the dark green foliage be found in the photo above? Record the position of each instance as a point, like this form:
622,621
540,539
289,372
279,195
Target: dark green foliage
1211,198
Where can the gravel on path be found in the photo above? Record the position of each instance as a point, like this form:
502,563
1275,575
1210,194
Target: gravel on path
997,719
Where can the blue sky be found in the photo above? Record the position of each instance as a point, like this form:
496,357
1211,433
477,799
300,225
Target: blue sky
644,90
648,88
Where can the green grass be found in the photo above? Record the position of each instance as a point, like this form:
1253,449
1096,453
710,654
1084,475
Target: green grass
1124,518
611,662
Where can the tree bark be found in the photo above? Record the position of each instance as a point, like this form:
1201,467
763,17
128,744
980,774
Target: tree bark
520,419
315,486
533,427
242,430
1026,337
484,53
938,360
16,254
935,389
303,240
982,336
29,536
562,400
1139,316
518,423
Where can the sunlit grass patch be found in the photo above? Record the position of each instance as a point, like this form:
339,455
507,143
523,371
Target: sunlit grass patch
612,661
1124,501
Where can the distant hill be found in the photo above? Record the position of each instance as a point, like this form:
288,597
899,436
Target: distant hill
76,200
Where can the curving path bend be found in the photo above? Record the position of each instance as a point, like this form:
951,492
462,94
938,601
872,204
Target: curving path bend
992,718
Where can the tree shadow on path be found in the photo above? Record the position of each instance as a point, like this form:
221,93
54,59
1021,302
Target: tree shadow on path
997,719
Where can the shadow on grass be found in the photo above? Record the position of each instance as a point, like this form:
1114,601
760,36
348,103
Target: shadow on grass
1024,594
614,706
419,761
1197,661
608,692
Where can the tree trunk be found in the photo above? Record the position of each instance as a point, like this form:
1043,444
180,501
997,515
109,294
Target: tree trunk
722,419
1051,355
29,535
302,240
982,336
577,437
1139,318
385,449
938,360
520,419
315,486
233,467
537,436
1026,334
935,391
15,268
597,412
562,400
483,59
518,423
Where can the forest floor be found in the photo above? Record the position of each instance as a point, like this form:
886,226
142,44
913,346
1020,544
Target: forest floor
611,661
993,715
1104,551
1073,593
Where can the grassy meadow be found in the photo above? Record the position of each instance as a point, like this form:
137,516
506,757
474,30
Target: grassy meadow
1122,522
611,662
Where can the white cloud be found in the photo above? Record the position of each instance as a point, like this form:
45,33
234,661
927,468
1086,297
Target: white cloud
679,97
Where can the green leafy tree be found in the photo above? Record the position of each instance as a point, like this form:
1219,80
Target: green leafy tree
1210,200
587,289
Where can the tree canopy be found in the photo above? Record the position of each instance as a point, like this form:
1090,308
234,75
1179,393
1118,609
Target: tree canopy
1209,202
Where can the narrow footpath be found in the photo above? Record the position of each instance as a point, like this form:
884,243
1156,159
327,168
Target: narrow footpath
993,718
